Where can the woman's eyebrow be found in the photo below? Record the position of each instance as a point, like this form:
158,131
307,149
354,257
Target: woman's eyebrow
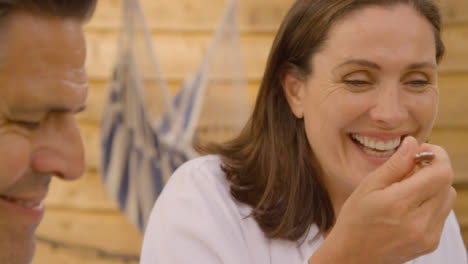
373,65
421,65
360,62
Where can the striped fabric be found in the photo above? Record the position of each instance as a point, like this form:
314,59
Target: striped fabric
140,154
135,161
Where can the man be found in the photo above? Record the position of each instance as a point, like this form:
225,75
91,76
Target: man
43,84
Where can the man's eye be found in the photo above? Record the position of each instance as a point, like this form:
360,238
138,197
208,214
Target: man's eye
26,124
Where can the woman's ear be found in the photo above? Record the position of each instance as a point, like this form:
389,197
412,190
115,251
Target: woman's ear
294,89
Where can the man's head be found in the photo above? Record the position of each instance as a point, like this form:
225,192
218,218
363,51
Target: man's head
43,84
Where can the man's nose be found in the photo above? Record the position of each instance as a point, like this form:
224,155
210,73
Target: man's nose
389,110
58,149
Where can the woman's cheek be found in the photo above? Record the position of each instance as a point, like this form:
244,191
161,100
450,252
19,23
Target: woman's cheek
424,110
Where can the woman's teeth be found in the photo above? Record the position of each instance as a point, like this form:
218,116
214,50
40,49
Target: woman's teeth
376,148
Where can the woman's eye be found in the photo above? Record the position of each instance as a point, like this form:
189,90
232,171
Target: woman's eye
356,82
419,82
358,85
417,85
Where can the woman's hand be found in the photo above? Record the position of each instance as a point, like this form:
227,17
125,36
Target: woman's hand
396,214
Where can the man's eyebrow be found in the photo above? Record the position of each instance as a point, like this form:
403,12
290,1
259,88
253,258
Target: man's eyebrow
360,62
48,109
61,109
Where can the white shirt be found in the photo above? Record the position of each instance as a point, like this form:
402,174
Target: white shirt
196,220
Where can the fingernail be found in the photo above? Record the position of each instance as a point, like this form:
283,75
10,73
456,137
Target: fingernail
404,147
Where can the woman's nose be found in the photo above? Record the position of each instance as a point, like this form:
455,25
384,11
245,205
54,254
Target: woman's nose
389,110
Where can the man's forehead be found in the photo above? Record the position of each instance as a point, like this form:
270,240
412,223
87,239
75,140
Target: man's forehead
42,65
29,36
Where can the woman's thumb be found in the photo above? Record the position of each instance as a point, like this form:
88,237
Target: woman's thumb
399,165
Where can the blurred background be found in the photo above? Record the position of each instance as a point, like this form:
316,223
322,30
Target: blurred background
84,225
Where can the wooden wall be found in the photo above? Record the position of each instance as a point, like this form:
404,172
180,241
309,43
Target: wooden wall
82,225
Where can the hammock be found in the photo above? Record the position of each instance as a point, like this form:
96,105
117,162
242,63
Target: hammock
141,148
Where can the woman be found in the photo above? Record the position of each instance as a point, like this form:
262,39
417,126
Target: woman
324,171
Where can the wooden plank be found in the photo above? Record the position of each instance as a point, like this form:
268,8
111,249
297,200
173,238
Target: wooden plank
461,207
46,254
87,193
98,92
190,15
455,142
97,96
456,41
109,231
258,15
453,95
179,55
461,211
454,11
91,138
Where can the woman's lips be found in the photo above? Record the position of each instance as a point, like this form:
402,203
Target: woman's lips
28,203
379,147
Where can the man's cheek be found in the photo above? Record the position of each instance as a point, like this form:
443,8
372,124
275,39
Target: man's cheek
14,157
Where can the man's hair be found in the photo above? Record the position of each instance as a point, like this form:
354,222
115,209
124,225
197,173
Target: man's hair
81,10
271,165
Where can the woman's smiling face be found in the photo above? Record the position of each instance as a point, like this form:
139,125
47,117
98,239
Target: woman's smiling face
373,82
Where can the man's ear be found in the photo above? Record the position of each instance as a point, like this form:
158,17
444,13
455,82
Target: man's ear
294,89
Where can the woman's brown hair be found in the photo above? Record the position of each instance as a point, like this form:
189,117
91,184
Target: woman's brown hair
270,164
